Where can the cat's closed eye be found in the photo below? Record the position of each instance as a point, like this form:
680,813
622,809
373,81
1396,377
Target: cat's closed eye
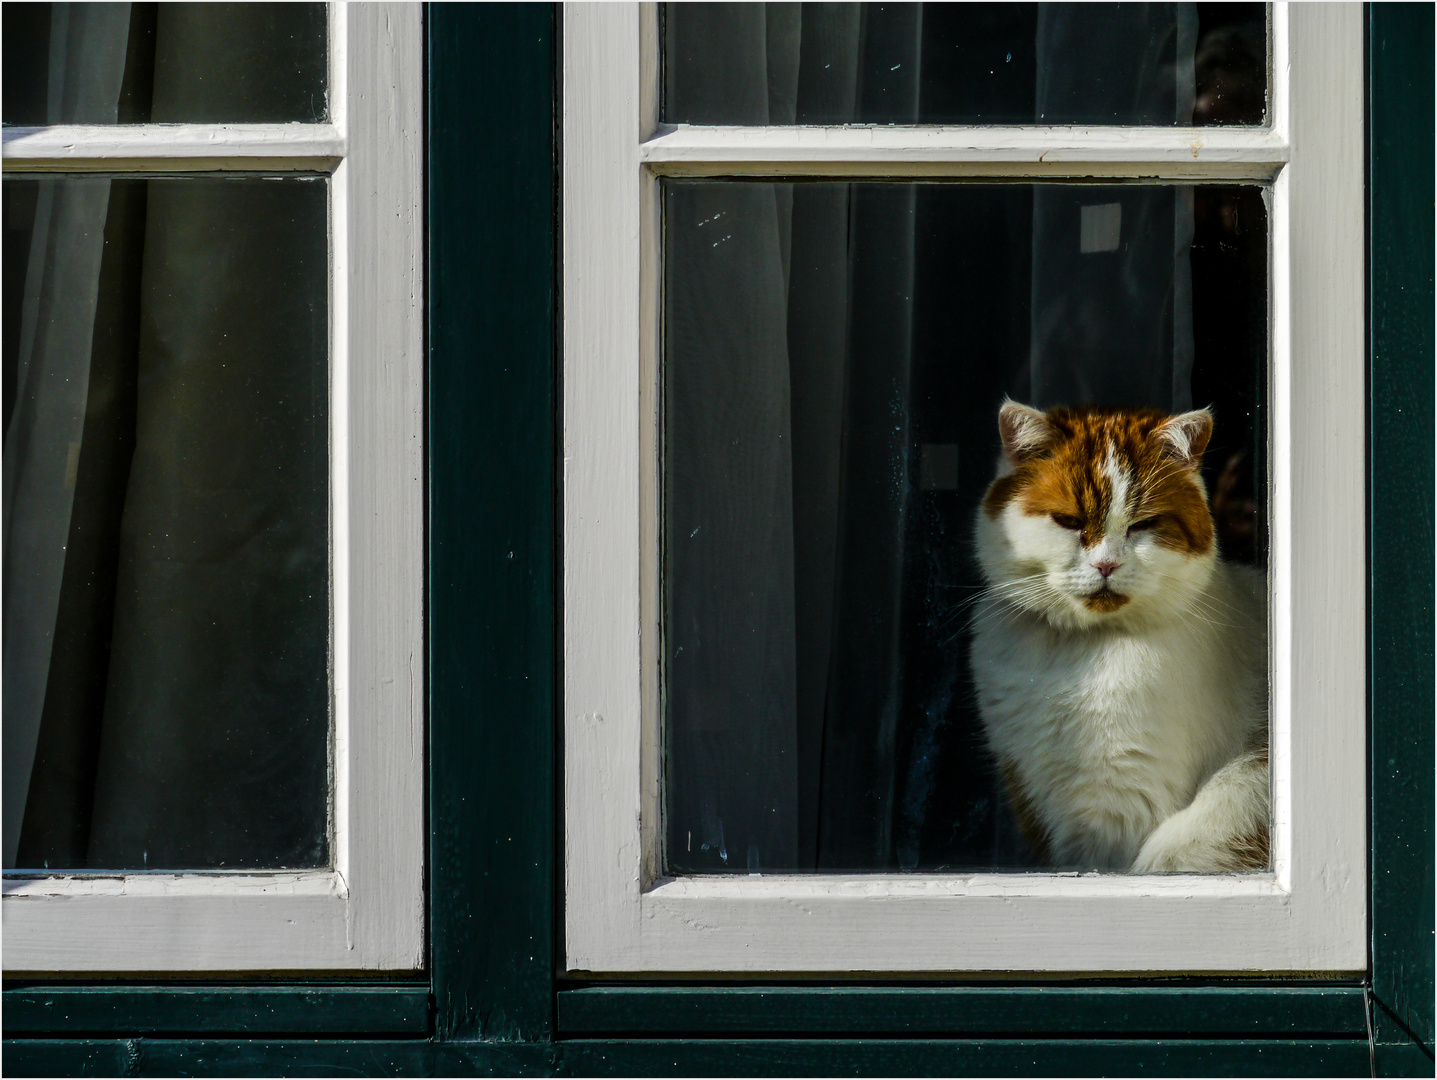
1142,526
1067,521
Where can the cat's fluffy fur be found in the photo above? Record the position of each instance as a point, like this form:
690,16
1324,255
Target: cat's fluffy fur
1120,663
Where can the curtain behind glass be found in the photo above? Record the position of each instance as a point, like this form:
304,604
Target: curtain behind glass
185,62
772,748
1010,63
44,431
802,728
1112,280
729,645
185,708
166,495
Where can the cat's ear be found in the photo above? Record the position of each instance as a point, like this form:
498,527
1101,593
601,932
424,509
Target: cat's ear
1184,437
1025,431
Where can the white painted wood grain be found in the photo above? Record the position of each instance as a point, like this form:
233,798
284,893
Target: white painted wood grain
1053,151
173,148
385,441
231,933
1319,608
367,913
171,922
651,812
1307,916
603,680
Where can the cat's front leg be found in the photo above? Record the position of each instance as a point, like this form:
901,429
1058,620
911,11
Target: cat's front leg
1224,830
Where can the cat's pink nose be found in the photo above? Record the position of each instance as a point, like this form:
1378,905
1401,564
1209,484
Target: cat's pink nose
1105,568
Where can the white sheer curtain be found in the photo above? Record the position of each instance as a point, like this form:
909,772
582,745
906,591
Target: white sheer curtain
730,640
42,443
771,287
166,469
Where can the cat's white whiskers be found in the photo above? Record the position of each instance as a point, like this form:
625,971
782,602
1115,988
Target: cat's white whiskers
981,593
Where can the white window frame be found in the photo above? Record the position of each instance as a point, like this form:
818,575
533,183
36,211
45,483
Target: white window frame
367,913
621,915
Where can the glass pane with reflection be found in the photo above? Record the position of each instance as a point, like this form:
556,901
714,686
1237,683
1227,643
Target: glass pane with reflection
1063,63
166,529
179,63
835,358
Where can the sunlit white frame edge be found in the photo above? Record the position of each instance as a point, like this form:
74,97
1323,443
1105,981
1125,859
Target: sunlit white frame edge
81,148
368,912
1309,915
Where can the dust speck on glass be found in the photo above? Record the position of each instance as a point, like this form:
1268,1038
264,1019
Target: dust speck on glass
166,457
834,359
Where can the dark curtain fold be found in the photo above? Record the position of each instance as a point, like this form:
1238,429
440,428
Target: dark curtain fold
85,70
865,684
59,807
60,804
215,743
770,686
729,643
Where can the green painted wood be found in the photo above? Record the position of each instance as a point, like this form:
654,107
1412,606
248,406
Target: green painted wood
70,1057
492,409
1401,1059
992,1011
143,1010
1400,191
1395,1051
989,1057
693,1057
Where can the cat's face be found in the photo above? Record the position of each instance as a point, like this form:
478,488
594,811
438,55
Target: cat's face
1098,516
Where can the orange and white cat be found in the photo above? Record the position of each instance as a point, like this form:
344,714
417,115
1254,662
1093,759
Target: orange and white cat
1121,665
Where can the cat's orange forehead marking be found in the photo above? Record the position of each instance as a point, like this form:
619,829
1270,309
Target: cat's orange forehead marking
1070,478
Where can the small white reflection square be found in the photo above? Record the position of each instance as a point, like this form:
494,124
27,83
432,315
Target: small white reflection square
1101,228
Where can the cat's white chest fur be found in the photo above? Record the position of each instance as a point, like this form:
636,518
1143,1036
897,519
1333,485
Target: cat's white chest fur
1109,731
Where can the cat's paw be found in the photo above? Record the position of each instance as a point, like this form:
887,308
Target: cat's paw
1175,851
1189,859
1190,842
1224,830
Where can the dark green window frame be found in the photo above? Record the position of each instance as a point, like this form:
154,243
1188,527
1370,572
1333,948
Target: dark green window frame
491,1000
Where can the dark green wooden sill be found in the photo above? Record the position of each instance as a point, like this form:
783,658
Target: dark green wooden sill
1185,1011
1328,1011
712,1057
1274,1031
1392,1053
212,1010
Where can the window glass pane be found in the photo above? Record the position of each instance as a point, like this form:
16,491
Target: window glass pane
102,63
835,357
1152,64
166,607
